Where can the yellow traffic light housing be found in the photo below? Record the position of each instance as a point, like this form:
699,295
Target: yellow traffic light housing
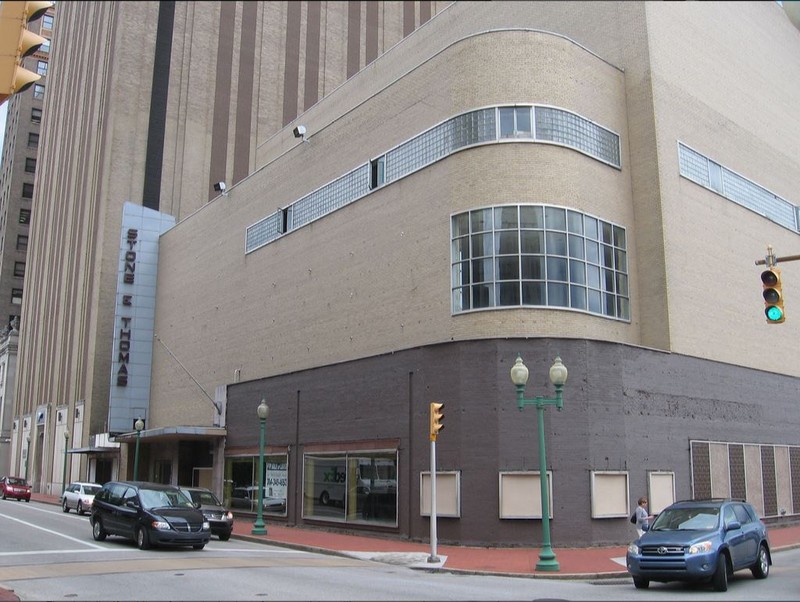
16,43
773,295
436,419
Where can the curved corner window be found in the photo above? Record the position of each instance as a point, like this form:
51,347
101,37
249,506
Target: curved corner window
538,255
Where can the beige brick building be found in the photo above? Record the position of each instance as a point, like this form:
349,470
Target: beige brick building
588,180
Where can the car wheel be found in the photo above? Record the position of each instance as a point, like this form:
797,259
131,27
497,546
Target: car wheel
225,537
324,498
640,583
79,508
142,538
760,569
64,506
199,546
98,533
720,578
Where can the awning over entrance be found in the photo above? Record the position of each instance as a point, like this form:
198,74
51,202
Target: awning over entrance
173,432
93,450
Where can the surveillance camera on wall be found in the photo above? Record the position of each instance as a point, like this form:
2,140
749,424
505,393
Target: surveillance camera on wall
220,187
300,132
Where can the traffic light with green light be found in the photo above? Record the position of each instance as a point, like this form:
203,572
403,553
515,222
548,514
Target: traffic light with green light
16,43
773,295
436,419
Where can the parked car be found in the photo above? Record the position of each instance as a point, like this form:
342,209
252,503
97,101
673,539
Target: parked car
219,517
148,513
15,487
698,540
79,496
247,498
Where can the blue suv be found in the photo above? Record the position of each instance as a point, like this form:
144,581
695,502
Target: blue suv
699,540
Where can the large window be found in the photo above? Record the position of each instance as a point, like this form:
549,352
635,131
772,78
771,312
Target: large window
351,487
241,483
539,255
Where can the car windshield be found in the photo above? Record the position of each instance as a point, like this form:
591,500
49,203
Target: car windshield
159,498
204,498
687,519
90,489
16,481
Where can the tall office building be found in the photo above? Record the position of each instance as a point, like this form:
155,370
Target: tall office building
156,103
17,178
589,181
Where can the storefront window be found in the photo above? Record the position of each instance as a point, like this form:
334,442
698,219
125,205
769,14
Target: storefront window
351,487
241,483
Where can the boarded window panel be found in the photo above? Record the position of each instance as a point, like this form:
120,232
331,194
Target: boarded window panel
701,470
736,467
521,495
794,463
662,490
448,494
770,487
610,494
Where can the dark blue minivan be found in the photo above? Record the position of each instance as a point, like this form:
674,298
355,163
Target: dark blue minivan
150,514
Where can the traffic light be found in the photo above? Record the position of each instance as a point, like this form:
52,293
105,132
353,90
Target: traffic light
436,419
773,295
17,42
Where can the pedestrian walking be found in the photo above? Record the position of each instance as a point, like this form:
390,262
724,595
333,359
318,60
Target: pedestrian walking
642,515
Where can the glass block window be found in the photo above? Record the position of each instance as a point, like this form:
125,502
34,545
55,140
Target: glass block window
539,255
482,126
332,196
569,129
709,174
262,232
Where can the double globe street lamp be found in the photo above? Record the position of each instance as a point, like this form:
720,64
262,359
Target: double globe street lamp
64,476
558,376
138,426
258,527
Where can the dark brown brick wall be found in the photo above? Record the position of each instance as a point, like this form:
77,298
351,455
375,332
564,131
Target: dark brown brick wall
625,408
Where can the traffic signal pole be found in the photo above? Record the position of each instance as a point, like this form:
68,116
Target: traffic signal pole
436,416
433,557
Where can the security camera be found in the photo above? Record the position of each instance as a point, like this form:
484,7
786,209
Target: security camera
220,187
299,131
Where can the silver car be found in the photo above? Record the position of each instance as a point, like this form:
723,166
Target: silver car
79,496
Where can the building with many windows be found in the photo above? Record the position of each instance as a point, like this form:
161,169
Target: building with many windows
17,176
592,182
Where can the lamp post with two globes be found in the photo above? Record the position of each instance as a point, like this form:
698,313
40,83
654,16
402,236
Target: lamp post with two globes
64,477
138,426
259,528
558,376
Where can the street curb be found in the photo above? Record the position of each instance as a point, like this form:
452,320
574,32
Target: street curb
445,569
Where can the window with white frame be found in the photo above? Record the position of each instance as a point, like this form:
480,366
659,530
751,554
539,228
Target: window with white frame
538,255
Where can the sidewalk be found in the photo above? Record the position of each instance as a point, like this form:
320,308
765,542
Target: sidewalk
575,563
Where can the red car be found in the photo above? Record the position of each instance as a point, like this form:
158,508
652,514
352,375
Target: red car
15,487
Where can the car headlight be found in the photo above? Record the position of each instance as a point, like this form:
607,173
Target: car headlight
633,549
229,515
160,525
704,547
206,525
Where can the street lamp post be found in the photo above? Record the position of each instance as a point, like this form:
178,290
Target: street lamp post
259,528
558,376
138,426
27,454
64,477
